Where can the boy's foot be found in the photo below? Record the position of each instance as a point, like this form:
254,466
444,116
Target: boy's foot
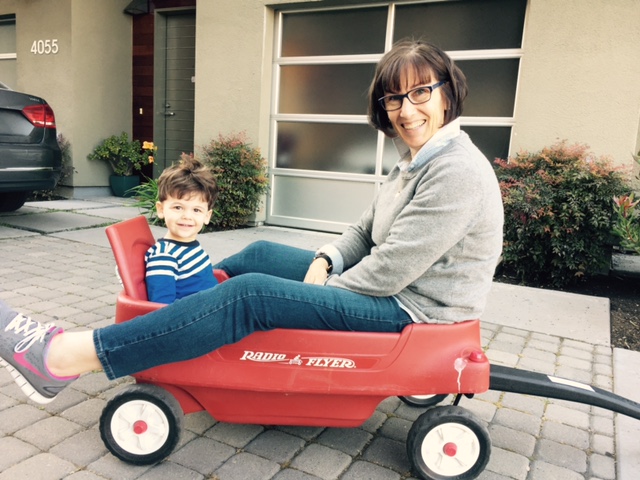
23,347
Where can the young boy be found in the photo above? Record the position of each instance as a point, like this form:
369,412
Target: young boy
177,266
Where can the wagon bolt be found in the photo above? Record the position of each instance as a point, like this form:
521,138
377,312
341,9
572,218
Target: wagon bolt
140,427
450,449
477,357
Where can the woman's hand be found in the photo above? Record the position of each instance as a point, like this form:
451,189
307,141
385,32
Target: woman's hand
317,272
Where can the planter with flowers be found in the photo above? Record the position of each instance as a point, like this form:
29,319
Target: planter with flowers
627,228
126,158
627,223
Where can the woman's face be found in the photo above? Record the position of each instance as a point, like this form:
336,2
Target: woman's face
416,124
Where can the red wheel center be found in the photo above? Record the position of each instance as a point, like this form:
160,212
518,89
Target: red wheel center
140,427
450,449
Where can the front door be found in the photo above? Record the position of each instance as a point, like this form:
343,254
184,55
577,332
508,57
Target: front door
175,69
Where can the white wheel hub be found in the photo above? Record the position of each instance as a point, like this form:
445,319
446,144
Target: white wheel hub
450,449
417,398
140,427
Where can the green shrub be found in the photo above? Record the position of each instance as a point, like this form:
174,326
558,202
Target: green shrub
558,214
146,196
627,219
66,173
241,173
627,226
67,166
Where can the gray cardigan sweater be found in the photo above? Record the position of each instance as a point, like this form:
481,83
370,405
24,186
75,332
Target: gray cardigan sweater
431,237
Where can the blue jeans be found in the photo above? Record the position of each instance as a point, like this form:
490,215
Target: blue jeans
265,291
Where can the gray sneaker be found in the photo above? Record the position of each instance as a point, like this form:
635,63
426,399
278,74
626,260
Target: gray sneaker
23,346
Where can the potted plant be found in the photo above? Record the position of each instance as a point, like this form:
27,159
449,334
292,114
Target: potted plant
126,158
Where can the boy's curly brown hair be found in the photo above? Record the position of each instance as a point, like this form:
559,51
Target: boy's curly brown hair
187,177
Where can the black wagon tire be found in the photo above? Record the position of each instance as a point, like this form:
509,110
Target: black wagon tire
141,425
448,443
423,401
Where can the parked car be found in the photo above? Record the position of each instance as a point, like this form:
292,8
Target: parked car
30,158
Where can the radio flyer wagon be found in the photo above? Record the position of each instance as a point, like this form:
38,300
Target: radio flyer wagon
321,378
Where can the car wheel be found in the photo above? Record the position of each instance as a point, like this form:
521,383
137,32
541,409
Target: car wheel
11,201
141,425
423,401
448,443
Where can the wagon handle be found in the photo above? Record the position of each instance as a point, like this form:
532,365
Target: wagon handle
508,379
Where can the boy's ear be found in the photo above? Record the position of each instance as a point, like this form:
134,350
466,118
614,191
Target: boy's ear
207,219
160,209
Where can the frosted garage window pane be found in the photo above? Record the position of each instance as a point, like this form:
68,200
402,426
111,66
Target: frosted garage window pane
8,35
326,147
324,200
492,87
325,89
492,141
464,25
339,32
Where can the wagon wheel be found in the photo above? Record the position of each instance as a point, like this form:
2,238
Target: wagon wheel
423,400
142,424
448,443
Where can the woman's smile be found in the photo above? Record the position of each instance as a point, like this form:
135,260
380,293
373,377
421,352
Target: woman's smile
413,125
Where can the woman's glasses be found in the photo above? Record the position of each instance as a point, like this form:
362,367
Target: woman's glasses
416,96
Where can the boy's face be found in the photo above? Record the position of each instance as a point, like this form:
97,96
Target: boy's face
184,217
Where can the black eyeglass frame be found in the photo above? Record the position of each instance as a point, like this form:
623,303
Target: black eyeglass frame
397,96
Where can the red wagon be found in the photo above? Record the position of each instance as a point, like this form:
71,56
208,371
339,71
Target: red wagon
320,378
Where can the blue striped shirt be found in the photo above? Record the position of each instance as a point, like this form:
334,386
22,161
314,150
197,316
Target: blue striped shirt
177,269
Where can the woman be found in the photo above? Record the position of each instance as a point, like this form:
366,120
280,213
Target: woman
425,251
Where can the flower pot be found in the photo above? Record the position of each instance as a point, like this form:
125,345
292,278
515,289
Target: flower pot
626,264
121,186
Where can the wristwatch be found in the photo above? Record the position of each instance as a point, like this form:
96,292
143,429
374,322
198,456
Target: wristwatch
327,258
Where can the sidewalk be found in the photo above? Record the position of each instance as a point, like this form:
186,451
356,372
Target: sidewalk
57,266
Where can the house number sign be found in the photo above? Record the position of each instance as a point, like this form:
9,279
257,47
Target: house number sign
45,47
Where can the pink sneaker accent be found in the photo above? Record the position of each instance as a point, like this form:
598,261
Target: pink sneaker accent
21,358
